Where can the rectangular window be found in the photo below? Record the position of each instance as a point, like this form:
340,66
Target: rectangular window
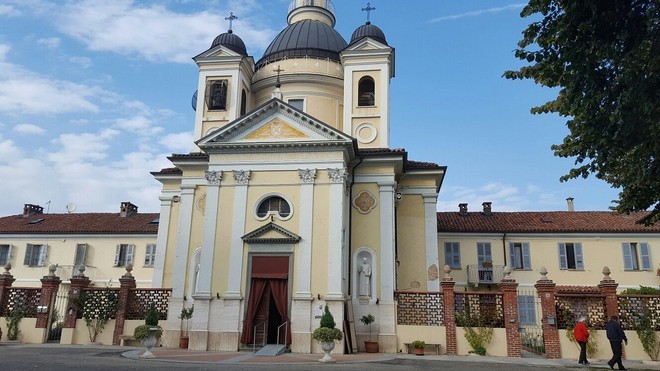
526,310
570,256
519,255
35,255
216,95
5,254
453,254
484,253
150,255
636,256
124,255
298,104
80,258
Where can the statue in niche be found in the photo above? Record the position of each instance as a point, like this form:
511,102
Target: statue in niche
365,278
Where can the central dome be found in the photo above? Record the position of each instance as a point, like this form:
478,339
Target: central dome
308,37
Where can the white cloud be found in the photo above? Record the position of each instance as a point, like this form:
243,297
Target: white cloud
8,10
83,62
139,125
177,142
477,13
4,49
153,32
50,42
9,152
82,147
29,129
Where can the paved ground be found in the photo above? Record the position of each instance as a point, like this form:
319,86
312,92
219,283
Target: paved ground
55,357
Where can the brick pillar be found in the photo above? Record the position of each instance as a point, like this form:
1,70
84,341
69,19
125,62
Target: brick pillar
509,289
6,280
78,283
447,285
608,288
546,291
49,286
126,283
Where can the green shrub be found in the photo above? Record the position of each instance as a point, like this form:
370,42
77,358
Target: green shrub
476,335
327,320
142,332
418,344
642,290
14,317
646,332
367,320
151,318
326,335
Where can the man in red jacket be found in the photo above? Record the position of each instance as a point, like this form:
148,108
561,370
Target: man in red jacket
581,334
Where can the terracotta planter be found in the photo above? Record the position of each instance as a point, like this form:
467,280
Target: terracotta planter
183,342
371,346
419,351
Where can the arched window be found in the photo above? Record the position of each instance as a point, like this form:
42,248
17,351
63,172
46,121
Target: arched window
274,205
366,92
216,95
243,102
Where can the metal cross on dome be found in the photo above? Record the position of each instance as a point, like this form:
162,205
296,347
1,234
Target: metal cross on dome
230,19
368,9
278,70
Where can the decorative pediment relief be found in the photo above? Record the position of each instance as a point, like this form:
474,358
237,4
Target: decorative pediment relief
276,129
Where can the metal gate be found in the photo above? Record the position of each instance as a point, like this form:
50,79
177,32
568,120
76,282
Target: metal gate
57,313
530,325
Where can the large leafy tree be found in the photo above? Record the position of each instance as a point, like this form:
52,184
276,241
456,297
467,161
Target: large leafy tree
604,58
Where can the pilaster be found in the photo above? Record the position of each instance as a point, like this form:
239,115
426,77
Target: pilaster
509,289
126,283
203,288
182,246
546,291
49,286
431,239
608,288
235,271
337,200
161,238
447,285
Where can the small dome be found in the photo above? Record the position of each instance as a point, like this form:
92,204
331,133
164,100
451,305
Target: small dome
308,37
368,30
231,41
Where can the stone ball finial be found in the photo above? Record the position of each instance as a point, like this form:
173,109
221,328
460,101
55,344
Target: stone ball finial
51,270
544,273
606,273
7,269
447,270
507,271
81,270
129,269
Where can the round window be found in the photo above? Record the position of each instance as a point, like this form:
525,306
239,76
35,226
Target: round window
275,205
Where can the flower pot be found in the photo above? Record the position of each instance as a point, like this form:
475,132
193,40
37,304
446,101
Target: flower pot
149,343
183,342
419,351
327,347
371,346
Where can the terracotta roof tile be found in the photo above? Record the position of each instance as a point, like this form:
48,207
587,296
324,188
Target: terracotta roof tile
105,223
544,222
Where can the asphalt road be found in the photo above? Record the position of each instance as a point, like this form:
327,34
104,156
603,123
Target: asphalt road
82,358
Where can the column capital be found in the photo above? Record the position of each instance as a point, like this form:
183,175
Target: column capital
213,177
339,175
307,175
242,177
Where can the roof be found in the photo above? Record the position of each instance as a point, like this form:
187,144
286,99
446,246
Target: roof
543,222
80,223
308,37
231,41
368,30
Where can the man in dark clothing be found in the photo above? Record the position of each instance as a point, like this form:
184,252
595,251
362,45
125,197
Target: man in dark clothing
615,335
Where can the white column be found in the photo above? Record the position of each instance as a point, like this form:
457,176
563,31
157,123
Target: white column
203,288
387,233
161,239
235,272
182,240
304,253
335,227
431,239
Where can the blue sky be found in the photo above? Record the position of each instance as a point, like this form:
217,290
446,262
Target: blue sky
95,94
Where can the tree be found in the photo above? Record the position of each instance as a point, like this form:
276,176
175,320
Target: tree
604,56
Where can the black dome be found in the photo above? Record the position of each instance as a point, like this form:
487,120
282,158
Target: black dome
304,38
368,30
231,41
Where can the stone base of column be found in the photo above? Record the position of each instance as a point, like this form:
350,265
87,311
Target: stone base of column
199,340
387,344
223,341
67,336
170,338
301,342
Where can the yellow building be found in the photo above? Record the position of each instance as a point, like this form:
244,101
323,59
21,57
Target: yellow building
287,201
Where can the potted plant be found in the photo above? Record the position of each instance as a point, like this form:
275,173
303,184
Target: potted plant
369,345
327,334
487,264
149,333
419,346
186,315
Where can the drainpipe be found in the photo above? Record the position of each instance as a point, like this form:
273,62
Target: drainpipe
504,247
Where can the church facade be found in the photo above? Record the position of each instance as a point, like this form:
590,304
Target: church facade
292,198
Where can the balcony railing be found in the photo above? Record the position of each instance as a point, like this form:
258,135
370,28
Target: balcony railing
479,275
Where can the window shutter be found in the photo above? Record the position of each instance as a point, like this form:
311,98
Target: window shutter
646,257
129,254
9,254
117,255
488,253
512,255
42,255
579,261
81,254
526,310
527,257
627,257
28,254
562,256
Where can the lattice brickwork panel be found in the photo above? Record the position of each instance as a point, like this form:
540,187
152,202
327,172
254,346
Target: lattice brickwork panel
100,302
139,301
570,308
25,298
486,308
420,308
633,307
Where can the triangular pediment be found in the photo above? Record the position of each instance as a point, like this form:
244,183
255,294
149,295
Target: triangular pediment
218,51
276,125
271,233
366,43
